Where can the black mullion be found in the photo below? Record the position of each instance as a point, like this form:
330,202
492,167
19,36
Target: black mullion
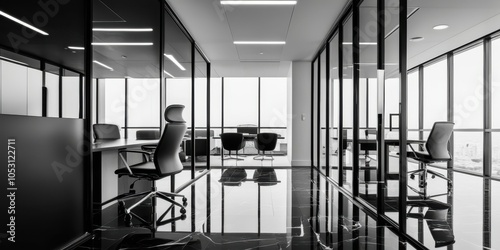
209,66
367,117
312,113
355,81
97,100
327,110
60,92
222,118
340,148
450,99
193,142
126,109
87,122
421,102
44,89
162,68
258,107
403,192
380,117
318,118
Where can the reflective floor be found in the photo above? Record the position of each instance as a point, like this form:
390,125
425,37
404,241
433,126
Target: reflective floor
284,208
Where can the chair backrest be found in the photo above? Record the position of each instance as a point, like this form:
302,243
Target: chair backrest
106,131
266,141
166,157
437,142
147,134
232,141
247,128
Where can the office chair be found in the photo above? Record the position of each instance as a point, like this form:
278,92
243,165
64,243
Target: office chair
165,163
106,131
148,135
367,147
265,142
232,142
265,177
233,177
436,151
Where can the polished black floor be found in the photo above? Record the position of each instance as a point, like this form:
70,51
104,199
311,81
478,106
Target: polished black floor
285,208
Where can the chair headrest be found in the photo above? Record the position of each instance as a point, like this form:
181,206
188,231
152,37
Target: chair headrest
173,113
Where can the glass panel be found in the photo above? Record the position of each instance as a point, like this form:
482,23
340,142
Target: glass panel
204,142
495,84
468,151
216,118
334,108
347,102
143,104
240,101
495,152
13,87
315,114
52,85
273,102
70,96
413,103
495,217
112,102
367,71
435,93
322,112
468,88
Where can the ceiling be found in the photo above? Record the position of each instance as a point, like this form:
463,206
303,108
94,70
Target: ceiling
304,27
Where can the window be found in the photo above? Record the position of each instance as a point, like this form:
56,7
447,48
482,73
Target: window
435,93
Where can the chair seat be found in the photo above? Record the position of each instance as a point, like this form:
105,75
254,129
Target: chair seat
422,156
143,169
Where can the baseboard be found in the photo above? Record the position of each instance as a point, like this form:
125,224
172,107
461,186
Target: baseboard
301,163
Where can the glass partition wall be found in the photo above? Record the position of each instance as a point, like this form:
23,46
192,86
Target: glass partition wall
145,64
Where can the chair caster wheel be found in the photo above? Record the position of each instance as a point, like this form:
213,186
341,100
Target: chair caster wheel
184,199
184,203
412,176
183,211
433,176
183,216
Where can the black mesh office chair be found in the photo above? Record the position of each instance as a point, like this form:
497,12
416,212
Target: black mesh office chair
265,142
232,142
106,131
436,151
165,163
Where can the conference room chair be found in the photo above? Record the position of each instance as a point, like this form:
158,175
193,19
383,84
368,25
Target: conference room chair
233,177
104,131
436,150
165,163
265,142
232,142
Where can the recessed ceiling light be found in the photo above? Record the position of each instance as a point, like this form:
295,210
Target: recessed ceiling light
416,39
361,43
23,23
261,53
172,58
123,29
102,64
76,48
260,42
441,27
124,56
122,44
258,2
168,74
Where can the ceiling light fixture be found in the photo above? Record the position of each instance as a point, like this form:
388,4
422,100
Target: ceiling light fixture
168,74
12,60
122,44
172,58
102,64
23,23
259,42
416,39
76,48
123,29
258,2
441,27
361,43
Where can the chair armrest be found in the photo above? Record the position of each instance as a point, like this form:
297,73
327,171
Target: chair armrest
121,152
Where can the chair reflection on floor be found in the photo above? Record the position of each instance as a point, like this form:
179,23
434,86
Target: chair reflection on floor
153,241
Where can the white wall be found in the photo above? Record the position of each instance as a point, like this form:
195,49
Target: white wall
300,113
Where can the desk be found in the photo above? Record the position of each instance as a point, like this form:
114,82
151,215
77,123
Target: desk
105,161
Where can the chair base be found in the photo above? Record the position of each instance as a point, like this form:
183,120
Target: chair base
264,158
423,182
229,157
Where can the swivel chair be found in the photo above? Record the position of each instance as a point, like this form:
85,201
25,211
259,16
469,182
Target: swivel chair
232,142
265,142
436,151
106,131
165,163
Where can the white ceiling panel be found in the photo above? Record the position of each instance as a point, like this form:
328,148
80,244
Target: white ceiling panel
251,23
260,52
